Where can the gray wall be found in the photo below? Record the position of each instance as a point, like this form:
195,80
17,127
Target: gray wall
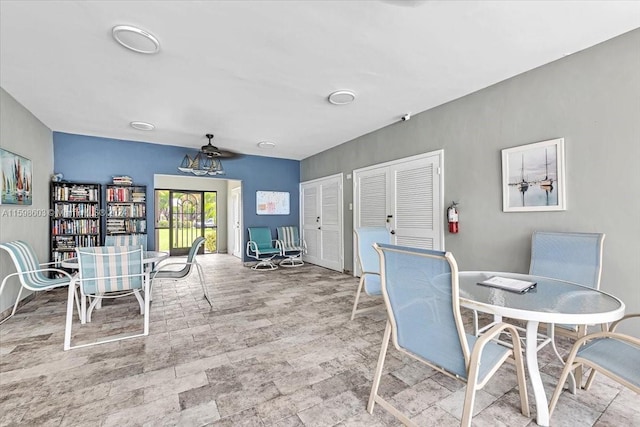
22,133
591,98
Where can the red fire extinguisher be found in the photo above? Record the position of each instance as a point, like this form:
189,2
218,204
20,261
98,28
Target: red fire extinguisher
452,217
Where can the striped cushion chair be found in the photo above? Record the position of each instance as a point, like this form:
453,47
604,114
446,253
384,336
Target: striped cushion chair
30,272
108,272
291,246
126,240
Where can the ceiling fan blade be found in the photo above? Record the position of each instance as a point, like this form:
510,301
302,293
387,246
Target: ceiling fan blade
226,154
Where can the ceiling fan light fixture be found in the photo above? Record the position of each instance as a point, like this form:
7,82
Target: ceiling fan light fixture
136,39
186,165
342,97
142,126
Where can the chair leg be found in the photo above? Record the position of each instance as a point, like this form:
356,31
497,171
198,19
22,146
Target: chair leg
355,303
140,300
470,392
204,288
69,320
377,376
15,306
147,302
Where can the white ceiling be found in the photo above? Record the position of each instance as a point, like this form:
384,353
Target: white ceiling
251,71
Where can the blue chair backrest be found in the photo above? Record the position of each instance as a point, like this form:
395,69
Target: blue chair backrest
367,255
289,235
110,268
25,259
261,236
575,257
126,240
420,289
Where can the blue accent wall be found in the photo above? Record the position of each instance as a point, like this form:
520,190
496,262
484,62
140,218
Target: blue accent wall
93,159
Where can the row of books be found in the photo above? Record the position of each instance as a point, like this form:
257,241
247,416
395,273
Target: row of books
71,242
125,195
122,180
75,226
116,225
76,210
77,193
58,257
126,210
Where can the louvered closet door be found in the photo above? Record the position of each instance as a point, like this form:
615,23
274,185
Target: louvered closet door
331,224
416,204
371,198
311,222
322,222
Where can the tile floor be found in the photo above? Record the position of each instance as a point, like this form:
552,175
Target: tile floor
276,349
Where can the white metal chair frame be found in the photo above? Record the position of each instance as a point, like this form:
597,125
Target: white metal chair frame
472,360
162,272
574,361
96,299
24,275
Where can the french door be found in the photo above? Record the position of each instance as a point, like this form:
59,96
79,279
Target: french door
322,222
182,216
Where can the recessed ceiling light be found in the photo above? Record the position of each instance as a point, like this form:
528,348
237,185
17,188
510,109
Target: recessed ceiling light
266,145
142,126
136,39
342,97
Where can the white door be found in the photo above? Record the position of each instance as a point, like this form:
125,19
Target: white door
322,222
236,206
406,197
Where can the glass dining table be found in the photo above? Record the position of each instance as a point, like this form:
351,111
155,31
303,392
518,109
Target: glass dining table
551,301
148,258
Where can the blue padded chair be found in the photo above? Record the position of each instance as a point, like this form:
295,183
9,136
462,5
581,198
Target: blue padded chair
163,272
369,262
611,353
262,247
420,291
108,272
30,272
291,246
126,240
573,257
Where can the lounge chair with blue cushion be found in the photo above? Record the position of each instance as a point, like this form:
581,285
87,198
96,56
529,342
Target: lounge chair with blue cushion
262,247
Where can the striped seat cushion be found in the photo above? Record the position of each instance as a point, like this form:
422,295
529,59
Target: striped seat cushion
110,268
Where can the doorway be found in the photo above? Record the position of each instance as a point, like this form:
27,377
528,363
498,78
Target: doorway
184,215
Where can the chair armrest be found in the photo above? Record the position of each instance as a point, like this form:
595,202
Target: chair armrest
20,273
615,324
495,331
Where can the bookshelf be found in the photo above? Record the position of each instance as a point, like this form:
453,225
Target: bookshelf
126,209
75,218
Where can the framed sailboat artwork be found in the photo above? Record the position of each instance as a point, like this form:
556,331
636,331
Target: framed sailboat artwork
16,179
533,177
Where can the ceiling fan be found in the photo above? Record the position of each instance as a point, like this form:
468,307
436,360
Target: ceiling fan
212,151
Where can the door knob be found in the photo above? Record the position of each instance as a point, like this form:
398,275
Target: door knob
393,231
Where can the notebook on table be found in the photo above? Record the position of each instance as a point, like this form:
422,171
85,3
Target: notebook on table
508,284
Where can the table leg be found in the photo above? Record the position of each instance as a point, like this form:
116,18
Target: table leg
531,352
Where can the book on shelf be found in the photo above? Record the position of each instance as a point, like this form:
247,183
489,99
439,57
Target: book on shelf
122,180
508,284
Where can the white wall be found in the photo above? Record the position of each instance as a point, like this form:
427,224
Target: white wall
22,133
